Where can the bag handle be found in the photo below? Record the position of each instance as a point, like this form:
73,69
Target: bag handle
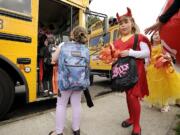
135,41
88,98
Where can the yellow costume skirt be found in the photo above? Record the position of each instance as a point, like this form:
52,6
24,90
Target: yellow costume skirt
163,84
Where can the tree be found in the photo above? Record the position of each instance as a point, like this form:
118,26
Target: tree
91,19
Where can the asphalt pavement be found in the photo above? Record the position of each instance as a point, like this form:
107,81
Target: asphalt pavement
103,119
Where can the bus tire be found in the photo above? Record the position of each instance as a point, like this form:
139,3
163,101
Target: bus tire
7,91
91,79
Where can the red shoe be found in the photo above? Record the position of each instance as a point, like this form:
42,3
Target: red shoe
133,133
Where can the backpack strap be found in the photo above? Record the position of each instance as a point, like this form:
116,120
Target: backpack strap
135,42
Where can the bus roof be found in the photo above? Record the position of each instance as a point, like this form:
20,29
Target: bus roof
78,3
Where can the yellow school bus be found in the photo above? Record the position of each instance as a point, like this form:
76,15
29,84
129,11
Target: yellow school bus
19,24
97,40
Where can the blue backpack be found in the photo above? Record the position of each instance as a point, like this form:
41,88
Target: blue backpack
73,69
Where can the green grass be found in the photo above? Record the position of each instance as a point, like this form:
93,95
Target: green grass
177,128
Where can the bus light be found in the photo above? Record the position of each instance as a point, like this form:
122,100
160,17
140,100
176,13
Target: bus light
27,69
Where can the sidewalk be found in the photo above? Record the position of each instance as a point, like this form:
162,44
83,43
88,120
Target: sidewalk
103,119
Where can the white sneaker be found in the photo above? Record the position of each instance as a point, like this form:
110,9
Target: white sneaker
50,93
45,93
166,108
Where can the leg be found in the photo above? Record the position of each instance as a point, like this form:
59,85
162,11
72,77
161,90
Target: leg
50,75
41,74
61,110
50,78
44,79
130,120
54,78
76,108
45,86
134,105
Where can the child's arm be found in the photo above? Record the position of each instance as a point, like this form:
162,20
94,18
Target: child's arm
55,55
172,51
143,53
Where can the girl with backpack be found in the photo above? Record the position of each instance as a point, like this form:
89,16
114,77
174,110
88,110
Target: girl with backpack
78,38
122,47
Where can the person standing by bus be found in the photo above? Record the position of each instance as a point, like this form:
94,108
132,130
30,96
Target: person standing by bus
169,22
124,44
48,66
78,37
55,70
122,47
41,40
163,80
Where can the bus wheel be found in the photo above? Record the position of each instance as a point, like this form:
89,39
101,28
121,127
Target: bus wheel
6,93
91,79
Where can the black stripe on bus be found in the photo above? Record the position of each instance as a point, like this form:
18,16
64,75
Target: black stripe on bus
14,15
13,37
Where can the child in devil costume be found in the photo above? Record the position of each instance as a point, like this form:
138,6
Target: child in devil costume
122,48
124,44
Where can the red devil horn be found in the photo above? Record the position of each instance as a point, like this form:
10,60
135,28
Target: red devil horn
129,12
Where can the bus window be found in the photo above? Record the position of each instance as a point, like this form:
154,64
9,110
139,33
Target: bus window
21,6
106,38
115,34
96,40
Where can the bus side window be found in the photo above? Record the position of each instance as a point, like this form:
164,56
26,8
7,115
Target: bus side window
21,6
100,40
106,38
115,34
94,41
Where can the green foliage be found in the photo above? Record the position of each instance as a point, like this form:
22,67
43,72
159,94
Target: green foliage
91,20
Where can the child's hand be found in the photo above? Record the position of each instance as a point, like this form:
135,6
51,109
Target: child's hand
124,53
174,51
167,56
116,54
